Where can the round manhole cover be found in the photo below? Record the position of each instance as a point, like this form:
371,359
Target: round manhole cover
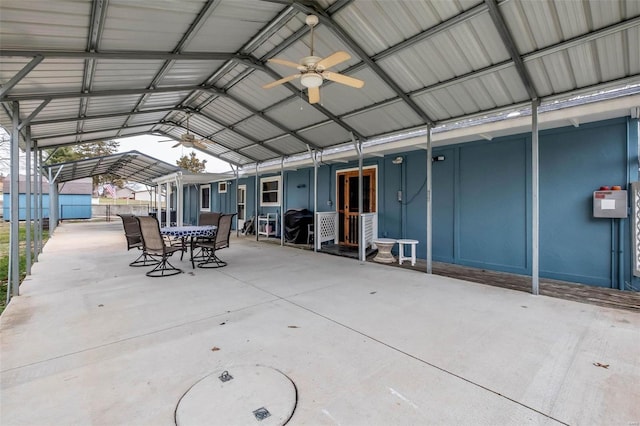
239,396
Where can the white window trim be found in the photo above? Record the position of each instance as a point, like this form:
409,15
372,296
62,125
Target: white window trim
271,179
221,185
204,188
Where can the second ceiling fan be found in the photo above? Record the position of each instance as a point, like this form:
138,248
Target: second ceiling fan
313,69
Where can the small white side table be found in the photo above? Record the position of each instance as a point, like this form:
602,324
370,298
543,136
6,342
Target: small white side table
401,256
384,250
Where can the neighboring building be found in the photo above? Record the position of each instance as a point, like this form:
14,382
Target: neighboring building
74,199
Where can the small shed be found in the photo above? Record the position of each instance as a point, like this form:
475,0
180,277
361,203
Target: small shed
74,199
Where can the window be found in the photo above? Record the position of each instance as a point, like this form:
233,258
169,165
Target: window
222,187
205,198
270,191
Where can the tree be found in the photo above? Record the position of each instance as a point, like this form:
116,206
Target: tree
83,151
192,163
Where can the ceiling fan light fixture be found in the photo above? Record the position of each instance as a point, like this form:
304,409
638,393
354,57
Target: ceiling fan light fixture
311,80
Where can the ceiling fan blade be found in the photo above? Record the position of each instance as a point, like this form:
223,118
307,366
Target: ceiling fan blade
167,140
314,95
281,81
333,59
176,145
343,79
284,62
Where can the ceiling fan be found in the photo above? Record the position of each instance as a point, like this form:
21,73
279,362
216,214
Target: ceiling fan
313,69
187,140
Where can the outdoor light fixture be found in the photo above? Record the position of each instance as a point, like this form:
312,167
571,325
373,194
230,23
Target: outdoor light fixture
438,158
311,80
397,160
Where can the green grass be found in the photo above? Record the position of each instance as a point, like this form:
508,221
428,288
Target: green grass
4,256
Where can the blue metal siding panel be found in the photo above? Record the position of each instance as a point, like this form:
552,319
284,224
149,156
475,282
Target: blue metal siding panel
299,189
443,206
573,163
493,216
22,209
74,206
191,204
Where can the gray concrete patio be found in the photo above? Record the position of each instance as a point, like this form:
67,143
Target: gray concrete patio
93,341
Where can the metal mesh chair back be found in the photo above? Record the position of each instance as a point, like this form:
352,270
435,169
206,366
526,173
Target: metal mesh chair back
224,231
209,218
131,231
151,236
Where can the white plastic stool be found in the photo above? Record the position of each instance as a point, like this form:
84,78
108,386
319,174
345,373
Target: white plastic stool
401,256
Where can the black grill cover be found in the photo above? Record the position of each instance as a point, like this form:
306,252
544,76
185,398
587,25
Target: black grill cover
295,225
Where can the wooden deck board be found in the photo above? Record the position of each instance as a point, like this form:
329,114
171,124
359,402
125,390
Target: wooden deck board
612,298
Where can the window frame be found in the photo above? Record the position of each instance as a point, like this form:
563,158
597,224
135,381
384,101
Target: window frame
203,189
278,192
222,187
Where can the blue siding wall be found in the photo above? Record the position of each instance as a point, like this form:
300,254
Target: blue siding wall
492,213
482,201
191,204
573,163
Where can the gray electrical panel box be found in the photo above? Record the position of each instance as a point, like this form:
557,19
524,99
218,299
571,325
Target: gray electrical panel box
611,204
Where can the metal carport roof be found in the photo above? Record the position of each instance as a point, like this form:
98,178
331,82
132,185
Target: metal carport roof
105,69
130,166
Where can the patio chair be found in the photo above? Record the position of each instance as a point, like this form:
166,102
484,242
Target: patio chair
219,242
204,219
155,245
134,240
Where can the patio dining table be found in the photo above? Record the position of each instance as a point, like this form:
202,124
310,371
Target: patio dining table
188,232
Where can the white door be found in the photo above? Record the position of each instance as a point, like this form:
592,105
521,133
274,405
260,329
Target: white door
242,205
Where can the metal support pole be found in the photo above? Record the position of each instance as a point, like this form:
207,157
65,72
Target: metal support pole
36,197
535,207
283,193
40,204
27,201
316,233
361,249
179,200
14,246
236,172
429,203
257,194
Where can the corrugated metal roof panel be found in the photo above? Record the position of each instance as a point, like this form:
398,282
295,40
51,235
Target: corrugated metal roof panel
53,129
107,104
225,109
634,53
189,72
146,118
104,123
296,114
235,158
137,25
377,25
340,99
288,145
59,108
279,36
51,75
159,100
612,57
237,20
43,24
202,125
231,74
124,74
326,134
250,90
258,128
258,152
232,140
385,119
